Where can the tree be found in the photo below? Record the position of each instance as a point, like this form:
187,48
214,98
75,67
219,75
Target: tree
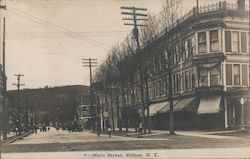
171,13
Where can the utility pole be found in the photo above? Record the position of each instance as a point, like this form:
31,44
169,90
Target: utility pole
91,63
4,87
18,84
4,111
136,17
197,5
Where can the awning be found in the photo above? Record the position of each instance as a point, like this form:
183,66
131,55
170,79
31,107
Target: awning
167,107
209,104
187,104
154,108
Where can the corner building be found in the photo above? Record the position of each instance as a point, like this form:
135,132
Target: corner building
210,70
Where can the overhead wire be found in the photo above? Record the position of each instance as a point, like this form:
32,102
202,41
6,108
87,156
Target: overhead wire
56,28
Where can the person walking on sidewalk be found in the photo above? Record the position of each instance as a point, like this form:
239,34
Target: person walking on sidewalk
140,129
109,130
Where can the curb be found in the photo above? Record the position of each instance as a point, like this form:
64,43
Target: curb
13,139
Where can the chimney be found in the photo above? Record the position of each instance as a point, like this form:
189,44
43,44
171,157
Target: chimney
241,4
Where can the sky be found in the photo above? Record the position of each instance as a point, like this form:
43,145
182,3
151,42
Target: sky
46,40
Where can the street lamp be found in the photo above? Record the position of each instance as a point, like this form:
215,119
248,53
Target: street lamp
242,101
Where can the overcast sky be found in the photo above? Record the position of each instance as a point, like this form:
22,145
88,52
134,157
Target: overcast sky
46,39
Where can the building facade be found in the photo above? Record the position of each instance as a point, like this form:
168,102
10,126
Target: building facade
209,68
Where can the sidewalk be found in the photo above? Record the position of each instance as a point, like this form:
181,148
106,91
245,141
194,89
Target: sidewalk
196,133
13,137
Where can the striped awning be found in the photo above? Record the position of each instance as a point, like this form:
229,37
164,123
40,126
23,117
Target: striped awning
154,108
209,104
187,104
167,107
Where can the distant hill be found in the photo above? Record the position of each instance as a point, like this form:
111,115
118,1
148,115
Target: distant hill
50,104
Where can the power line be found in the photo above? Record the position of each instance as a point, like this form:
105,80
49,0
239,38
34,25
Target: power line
58,29
46,22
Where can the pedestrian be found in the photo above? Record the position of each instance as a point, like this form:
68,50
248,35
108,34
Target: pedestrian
140,129
16,130
109,130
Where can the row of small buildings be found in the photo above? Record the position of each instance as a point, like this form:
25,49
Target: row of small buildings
210,74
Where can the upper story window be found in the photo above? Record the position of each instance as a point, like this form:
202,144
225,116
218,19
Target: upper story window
210,77
236,74
214,76
243,42
202,42
229,80
235,41
214,42
244,74
204,78
228,44
186,50
193,76
178,53
192,46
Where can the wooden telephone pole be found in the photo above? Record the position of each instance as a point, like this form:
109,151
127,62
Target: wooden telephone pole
91,63
4,111
136,17
18,84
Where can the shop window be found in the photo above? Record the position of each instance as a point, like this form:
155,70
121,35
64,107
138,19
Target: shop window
244,74
236,74
214,76
243,42
228,44
202,42
235,41
214,44
204,78
229,80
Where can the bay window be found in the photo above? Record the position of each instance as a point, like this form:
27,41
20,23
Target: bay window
202,42
204,78
214,76
236,74
228,44
235,41
229,80
214,42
